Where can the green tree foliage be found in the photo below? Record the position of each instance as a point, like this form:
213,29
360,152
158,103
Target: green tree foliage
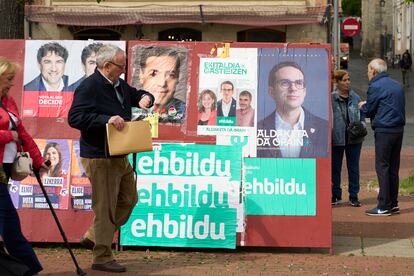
352,7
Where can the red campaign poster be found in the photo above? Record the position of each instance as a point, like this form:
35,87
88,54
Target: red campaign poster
80,186
55,180
46,104
52,72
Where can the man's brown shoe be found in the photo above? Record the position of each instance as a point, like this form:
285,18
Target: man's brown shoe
111,266
87,243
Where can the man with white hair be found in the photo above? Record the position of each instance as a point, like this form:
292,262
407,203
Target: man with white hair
104,98
385,105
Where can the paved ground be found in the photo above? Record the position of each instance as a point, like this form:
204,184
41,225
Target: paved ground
362,245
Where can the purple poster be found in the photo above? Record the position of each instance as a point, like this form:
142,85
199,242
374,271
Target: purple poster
55,179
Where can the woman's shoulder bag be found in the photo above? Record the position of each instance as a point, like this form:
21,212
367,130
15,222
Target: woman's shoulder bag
23,164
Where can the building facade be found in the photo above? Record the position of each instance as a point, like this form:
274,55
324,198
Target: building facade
387,28
403,26
377,31
211,20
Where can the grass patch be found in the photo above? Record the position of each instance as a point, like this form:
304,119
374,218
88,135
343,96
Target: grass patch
406,185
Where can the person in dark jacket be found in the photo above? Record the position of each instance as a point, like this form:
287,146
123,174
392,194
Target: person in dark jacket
100,99
405,65
345,110
385,106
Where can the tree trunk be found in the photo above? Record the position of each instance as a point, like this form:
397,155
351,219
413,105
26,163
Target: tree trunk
11,19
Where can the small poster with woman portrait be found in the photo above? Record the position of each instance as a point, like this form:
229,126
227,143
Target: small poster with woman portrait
80,186
227,95
55,179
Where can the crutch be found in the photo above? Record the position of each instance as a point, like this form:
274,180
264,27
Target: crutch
79,271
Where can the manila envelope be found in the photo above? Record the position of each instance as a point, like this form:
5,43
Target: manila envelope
134,137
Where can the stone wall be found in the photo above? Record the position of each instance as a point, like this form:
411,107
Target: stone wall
376,21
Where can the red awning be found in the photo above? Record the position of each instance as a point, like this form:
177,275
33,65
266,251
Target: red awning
258,15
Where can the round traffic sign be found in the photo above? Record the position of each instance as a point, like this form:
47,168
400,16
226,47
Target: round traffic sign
351,26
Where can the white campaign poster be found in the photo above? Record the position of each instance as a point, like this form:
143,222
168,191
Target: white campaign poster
248,139
228,95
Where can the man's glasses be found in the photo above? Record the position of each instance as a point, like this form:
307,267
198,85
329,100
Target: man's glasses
285,83
122,67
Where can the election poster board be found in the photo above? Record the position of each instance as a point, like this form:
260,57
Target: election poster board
271,146
28,194
53,70
188,196
80,186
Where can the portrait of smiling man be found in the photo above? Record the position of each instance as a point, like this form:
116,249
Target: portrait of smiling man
51,59
290,130
157,70
245,114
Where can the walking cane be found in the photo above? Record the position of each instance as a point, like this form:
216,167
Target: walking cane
79,271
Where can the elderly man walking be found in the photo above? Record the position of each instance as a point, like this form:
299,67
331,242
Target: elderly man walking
385,105
103,98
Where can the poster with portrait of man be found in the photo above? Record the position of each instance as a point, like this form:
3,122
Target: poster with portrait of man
162,71
293,104
52,72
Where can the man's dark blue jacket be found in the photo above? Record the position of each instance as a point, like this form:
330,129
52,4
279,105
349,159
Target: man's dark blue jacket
95,101
385,104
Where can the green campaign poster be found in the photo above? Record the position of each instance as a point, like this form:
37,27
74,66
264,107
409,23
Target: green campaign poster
285,187
181,227
188,196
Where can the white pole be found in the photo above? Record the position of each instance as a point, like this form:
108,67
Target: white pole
335,40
